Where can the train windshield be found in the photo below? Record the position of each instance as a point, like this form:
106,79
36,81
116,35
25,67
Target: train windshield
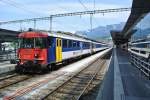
32,43
26,43
40,43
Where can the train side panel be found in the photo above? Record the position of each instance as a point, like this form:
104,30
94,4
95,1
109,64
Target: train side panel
72,48
51,58
58,49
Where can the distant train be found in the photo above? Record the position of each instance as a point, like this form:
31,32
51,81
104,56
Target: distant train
140,48
40,50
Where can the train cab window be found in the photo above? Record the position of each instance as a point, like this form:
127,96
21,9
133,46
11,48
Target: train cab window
70,43
40,42
65,43
26,43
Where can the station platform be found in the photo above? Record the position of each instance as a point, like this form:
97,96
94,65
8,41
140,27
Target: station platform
124,81
6,67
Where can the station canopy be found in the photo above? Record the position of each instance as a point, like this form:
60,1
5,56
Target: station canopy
139,10
8,35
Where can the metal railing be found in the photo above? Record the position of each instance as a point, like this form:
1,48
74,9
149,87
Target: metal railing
7,55
141,64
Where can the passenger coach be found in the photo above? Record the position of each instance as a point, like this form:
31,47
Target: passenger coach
39,50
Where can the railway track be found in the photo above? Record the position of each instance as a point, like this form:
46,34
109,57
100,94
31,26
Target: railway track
12,79
74,86
6,76
78,85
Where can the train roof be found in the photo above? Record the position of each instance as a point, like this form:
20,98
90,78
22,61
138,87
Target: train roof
65,35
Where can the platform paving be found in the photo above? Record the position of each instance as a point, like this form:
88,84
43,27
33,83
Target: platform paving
135,85
5,68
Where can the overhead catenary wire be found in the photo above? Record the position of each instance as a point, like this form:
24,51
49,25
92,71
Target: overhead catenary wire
94,4
82,5
19,6
91,21
91,15
69,14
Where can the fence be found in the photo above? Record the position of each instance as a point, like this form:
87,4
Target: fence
142,64
7,55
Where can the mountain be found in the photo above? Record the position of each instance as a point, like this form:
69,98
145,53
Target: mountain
101,32
141,33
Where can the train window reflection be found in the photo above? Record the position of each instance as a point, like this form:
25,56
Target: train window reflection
26,43
40,42
32,43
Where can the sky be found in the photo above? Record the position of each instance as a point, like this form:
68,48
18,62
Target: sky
22,9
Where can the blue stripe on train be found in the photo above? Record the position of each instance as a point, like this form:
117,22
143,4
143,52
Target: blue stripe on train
72,49
51,57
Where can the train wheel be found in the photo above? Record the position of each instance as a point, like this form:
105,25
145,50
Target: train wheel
49,67
18,69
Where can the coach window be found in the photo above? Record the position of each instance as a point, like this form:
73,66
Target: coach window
65,43
70,43
50,42
84,45
60,43
78,44
148,45
74,44
57,42
88,45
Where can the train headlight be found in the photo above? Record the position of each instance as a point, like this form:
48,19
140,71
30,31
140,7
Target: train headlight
36,55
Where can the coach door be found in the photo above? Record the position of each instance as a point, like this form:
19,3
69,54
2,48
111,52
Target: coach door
58,50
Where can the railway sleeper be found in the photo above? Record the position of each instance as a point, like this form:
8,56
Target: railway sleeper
80,80
62,97
81,83
8,83
74,85
70,89
37,96
87,73
65,94
7,77
10,89
82,77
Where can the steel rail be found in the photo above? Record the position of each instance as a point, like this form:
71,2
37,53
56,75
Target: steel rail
10,81
23,91
68,80
71,79
97,71
7,77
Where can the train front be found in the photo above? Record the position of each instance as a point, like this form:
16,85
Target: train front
32,52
